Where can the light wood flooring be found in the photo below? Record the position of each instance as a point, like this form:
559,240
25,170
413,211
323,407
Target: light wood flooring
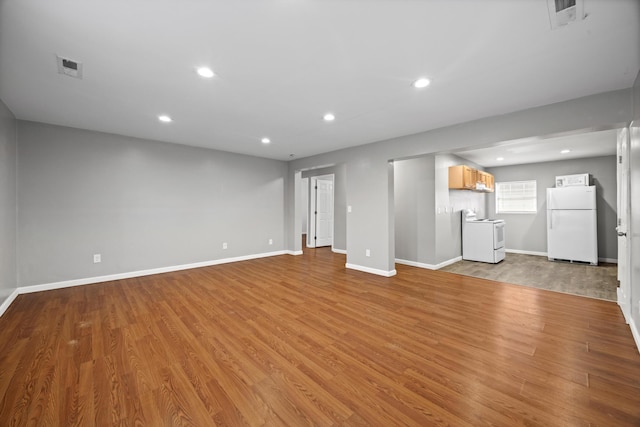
594,281
303,341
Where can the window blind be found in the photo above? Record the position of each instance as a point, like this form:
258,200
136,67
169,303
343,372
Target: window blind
516,197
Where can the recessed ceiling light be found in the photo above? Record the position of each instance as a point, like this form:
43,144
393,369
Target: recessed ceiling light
329,117
165,119
499,159
565,151
421,82
205,72
265,140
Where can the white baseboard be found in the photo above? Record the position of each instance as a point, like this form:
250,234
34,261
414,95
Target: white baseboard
635,333
428,266
518,251
371,270
416,264
448,262
293,252
609,260
339,251
7,302
140,273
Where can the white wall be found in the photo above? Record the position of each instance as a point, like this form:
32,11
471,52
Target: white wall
141,204
8,202
528,232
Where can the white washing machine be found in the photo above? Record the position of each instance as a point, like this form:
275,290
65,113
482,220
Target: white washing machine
482,239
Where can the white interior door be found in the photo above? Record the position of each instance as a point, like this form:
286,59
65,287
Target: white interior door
624,259
323,212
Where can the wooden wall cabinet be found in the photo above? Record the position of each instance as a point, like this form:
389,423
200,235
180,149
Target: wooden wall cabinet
486,180
463,177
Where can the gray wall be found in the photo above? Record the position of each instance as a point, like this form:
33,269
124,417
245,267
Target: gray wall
339,201
8,276
414,200
370,225
528,232
141,204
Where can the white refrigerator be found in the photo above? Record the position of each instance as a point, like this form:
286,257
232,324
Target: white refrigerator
572,224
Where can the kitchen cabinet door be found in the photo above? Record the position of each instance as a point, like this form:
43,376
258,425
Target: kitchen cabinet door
462,177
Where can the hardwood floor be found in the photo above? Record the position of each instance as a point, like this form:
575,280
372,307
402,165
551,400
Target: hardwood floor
300,340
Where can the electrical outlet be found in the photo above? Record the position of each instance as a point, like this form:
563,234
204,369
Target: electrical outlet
97,258
224,245
271,241
348,209
367,252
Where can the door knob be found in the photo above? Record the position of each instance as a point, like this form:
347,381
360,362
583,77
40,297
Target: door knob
621,234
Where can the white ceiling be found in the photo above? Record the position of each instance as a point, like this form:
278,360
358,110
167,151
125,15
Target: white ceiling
537,150
282,64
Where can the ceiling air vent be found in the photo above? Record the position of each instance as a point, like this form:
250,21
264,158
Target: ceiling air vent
563,12
69,67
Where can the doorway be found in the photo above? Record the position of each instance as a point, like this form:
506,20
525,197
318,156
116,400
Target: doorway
320,217
590,151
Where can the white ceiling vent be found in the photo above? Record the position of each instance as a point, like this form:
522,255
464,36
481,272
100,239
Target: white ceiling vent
69,67
563,12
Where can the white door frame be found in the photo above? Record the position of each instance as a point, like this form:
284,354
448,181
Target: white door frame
304,195
623,205
311,220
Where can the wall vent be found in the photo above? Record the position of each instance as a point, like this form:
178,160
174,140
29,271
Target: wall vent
69,67
563,12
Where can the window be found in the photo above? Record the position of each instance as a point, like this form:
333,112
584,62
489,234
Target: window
516,197
564,4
